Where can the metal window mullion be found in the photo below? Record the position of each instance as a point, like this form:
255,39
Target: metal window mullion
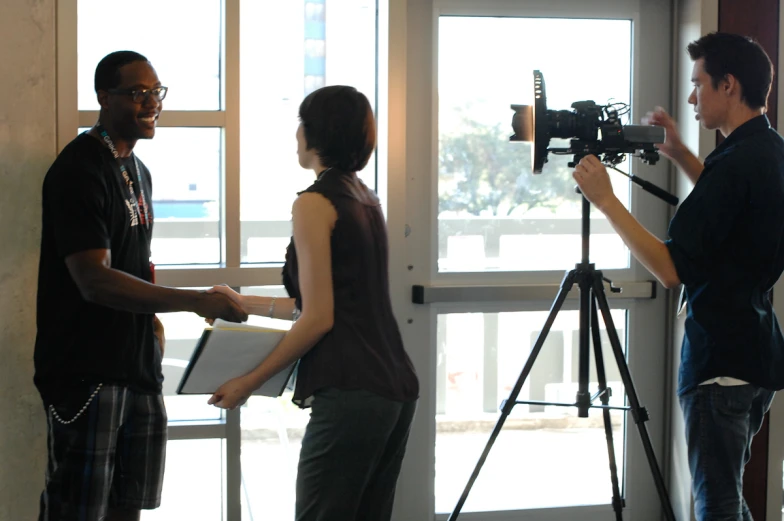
233,478
197,431
231,134
476,293
201,276
169,118
231,225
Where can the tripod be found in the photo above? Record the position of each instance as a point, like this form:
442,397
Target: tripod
590,282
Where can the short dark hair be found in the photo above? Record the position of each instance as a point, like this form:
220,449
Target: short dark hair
741,56
107,73
339,124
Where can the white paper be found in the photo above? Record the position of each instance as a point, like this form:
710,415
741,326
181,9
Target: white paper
234,350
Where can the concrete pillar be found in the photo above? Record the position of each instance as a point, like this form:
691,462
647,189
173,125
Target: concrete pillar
27,148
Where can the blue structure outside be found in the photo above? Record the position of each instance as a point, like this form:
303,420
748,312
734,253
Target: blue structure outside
315,32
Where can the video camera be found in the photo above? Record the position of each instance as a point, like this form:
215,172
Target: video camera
596,130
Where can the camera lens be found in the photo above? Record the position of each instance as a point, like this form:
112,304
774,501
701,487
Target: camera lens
562,123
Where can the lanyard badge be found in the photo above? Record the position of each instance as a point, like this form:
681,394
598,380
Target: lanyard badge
138,205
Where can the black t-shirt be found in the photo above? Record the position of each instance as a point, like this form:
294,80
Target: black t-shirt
727,244
87,205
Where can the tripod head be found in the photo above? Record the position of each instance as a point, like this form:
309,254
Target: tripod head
649,187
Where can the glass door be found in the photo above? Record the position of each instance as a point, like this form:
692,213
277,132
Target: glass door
487,244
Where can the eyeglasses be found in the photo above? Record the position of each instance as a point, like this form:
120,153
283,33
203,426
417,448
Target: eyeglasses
140,96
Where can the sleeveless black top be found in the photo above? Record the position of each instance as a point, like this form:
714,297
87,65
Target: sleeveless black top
364,349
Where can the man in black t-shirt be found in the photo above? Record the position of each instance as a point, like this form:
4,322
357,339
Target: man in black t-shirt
99,346
726,247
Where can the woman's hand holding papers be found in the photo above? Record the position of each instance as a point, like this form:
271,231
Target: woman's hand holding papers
233,393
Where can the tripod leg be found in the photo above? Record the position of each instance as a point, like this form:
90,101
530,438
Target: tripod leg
509,403
639,413
617,500
583,398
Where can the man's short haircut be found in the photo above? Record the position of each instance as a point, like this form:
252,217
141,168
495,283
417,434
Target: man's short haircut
107,73
741,56
339,124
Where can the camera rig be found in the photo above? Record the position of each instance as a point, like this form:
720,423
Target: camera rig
593,129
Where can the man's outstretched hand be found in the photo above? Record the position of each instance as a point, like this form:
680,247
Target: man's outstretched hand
673,146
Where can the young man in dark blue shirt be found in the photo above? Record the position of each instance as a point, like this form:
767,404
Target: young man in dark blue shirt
726,247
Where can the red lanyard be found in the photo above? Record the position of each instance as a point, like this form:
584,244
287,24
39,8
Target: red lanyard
145,219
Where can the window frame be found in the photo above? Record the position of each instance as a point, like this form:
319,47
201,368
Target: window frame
231,270
413,168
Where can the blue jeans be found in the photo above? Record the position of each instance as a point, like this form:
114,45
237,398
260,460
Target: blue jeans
720,424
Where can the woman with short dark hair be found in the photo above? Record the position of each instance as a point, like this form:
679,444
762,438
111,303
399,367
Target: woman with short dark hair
353,370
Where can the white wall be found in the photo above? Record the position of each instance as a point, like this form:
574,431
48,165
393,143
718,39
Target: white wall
27,147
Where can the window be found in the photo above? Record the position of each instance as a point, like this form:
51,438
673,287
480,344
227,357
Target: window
479,357
227,219
187,213
186,55
488,242
291,59
225,175
188,149
493,214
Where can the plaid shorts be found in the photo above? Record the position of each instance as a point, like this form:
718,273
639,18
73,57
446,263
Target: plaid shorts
111,456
